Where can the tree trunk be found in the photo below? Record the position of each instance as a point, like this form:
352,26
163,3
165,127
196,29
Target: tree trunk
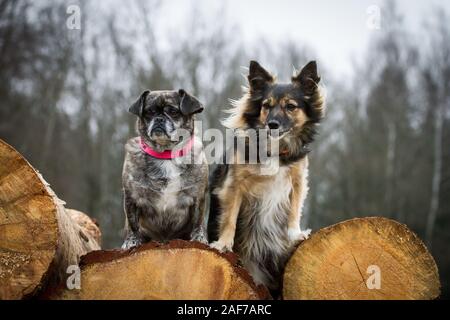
38,238
363,258
436,182
390,167
176,270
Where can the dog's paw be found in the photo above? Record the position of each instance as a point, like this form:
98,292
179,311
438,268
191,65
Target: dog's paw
199,236
222,246
296,235
131,242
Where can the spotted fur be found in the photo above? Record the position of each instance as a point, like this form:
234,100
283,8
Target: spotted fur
163,198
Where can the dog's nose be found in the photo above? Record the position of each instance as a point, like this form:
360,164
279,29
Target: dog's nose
159,120
158,131
273,124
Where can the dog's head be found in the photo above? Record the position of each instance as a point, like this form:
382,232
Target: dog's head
285,107
293,109
165,116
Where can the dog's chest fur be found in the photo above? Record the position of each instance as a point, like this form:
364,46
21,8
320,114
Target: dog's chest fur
262,228
262,221
164,191
168,199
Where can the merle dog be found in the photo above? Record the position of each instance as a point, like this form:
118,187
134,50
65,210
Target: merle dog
165,172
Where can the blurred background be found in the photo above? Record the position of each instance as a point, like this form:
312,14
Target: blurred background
70,69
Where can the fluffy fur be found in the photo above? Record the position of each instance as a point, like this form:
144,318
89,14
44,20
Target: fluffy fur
258,216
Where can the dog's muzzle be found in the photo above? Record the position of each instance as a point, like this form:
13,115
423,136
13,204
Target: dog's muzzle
158,131
158,127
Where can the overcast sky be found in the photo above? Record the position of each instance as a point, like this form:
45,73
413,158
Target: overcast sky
336,30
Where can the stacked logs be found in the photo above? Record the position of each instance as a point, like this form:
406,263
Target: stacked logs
40,240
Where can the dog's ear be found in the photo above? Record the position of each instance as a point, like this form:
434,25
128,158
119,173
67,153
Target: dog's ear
137,108
307,78
189,104
258,77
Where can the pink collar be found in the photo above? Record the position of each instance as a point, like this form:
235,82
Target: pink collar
168,154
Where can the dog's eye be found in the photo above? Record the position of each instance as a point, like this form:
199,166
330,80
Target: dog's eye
173,112
149,112
265,105
291,107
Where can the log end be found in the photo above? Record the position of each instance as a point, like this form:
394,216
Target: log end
363,258
39,239
28,226
89,226
176,270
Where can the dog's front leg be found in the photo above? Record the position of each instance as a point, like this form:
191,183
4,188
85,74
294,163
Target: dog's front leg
132,237
230,199
297,199
199,231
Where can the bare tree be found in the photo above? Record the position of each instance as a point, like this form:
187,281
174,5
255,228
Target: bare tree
440,72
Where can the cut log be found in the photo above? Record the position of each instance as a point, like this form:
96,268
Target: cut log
88,225
176,270
38,239
363,258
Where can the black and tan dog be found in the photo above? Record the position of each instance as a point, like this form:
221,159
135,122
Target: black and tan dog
165,173
255,215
